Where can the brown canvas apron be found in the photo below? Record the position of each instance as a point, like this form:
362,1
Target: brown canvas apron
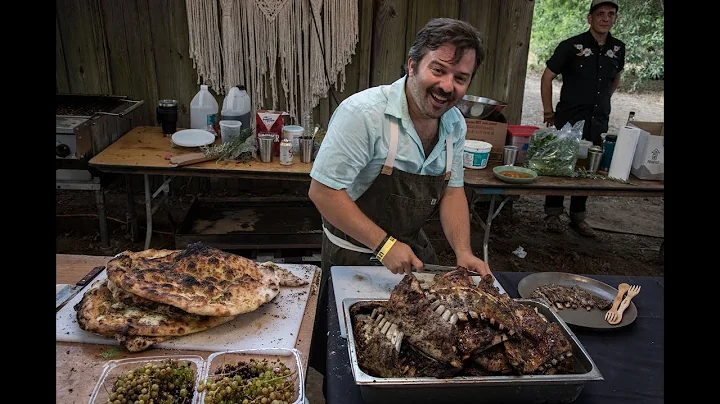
400,203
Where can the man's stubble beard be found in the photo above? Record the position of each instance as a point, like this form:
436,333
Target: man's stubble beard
419,97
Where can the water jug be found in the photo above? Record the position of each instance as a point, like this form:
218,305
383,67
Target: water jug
236,106
203,110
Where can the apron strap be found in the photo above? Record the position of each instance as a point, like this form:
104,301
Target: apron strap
344,243
387,168
449,154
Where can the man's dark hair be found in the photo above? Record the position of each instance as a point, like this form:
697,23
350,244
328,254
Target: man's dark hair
440,31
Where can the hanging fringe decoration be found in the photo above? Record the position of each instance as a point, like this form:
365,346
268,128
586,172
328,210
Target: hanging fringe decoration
205,48
261,38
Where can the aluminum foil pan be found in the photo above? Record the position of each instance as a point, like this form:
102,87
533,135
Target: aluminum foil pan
562,388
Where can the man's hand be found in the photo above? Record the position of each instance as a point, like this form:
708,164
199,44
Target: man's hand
549,118
401,259
473,263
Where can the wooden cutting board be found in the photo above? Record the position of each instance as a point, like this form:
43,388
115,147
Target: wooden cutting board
273,325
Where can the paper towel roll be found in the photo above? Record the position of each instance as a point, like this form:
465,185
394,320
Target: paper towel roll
622,158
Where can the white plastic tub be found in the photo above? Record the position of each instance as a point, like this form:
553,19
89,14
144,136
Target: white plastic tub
476,153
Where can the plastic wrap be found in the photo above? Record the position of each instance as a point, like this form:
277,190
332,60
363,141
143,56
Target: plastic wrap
554,152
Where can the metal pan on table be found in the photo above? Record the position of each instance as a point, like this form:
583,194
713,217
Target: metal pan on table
580,317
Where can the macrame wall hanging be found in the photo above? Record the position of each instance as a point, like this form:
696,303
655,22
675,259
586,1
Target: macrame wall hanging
265,43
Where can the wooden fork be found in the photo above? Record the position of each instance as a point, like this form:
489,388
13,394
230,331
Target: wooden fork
622,288
632,292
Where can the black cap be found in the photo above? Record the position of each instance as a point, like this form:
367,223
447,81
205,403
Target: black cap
611,138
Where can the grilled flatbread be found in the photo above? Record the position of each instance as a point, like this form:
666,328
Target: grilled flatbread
200,279
100,313
139,343
285,277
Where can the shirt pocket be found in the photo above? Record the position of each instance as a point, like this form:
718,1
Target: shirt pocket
582,66
609,66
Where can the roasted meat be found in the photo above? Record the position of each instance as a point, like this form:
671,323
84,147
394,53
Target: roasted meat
570,297
454,327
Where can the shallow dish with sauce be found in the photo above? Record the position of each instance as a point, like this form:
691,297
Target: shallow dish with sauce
514,175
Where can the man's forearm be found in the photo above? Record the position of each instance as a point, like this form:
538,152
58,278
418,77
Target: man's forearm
546,91
337,208
455,219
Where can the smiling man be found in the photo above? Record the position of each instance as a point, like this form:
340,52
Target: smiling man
392,157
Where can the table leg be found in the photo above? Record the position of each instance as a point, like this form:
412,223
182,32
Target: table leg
130,215
486,238
148,211
102,217
491,215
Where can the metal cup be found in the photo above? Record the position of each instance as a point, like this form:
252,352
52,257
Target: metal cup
594,156
265,143
306,149
510,155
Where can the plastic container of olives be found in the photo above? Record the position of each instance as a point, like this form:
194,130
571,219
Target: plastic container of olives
289,357
114,369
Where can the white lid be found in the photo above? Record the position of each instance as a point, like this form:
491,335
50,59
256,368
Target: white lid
477,144
293,128
203,86
230,123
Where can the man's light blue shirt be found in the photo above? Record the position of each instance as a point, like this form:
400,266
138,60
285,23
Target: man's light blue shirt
357,141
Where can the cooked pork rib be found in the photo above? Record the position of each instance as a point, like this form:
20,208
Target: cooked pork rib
454,327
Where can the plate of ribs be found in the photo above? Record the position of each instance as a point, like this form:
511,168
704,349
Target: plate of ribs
579,300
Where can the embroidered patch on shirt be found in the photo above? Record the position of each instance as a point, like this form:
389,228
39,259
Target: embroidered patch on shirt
612,53
583,51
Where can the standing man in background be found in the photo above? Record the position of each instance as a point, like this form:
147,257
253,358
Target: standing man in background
591,65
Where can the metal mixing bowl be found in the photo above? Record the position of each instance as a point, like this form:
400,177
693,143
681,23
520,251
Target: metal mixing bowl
475,107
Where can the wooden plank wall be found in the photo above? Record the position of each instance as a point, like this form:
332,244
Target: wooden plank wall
139,48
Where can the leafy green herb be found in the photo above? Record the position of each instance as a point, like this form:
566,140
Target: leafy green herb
552,155
235,149
583,173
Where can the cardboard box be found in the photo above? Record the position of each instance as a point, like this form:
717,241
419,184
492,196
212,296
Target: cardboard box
649,159
270,121
494,133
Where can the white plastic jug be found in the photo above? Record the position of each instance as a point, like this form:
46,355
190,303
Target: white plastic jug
203,110
236,106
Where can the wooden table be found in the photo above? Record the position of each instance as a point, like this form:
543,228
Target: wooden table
144,150
484,183
78,366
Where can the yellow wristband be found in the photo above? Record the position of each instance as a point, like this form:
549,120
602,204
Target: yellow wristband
385,248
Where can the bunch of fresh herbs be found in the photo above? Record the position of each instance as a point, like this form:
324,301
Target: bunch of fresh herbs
552,154
236,149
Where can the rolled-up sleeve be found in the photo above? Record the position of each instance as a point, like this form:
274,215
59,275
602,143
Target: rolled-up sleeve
346,148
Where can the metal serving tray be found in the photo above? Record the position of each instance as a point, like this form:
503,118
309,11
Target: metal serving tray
563,388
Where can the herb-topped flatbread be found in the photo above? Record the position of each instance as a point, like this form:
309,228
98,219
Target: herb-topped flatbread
200,279
101,313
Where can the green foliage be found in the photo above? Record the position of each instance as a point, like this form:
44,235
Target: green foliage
640,24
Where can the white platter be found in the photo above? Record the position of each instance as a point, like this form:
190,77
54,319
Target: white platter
193,138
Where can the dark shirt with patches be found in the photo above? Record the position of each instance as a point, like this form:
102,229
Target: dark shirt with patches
588,71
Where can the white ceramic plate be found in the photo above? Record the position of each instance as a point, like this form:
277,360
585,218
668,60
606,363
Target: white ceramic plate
193,138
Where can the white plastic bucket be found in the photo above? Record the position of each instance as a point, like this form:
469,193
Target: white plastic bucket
476,153
293,134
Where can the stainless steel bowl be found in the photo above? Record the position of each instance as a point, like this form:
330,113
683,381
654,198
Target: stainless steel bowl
475,107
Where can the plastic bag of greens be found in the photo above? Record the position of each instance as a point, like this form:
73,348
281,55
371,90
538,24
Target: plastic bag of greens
554,152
